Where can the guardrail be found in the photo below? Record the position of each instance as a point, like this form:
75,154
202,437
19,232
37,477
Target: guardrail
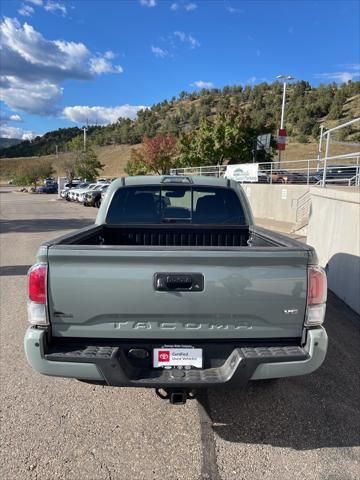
327,134
338,169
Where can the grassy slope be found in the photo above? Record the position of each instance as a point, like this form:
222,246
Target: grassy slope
114,158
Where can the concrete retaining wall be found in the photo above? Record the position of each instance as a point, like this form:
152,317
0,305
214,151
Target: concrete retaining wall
275,202
334,231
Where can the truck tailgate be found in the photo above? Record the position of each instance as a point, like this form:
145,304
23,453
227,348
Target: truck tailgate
248,293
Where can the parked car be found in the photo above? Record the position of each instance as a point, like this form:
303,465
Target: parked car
73,191
93,198
49,188
262,177
67,187
80,195
175,296
337,173
284,176
49,181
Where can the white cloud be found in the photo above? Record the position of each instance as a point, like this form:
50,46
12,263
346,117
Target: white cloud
148,3
254,80
183,37
188,7
4,119
340,77
55,7
202,84
193,42
15,118
159,52
26,10
234,10
35,98
49,5
109,55
27,54
101,115
191,7
15,132
100,65
251,79
180,35
8,131
33,67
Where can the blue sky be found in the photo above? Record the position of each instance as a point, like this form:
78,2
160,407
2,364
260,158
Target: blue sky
65,62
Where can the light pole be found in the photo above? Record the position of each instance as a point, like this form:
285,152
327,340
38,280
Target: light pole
285,78
85,130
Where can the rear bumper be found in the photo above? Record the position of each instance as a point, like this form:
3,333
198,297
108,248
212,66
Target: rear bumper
109,364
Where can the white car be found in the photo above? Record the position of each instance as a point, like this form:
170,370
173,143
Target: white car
78,194
91,188
73,191
68,186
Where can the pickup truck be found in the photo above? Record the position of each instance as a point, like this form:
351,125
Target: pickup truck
174,288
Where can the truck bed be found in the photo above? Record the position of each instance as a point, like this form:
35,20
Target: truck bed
177,236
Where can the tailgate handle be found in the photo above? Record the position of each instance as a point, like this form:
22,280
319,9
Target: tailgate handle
179,282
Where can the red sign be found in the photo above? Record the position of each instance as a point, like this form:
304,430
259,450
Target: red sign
163,356
281,140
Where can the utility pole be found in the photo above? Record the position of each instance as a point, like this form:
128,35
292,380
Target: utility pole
285,78
84,130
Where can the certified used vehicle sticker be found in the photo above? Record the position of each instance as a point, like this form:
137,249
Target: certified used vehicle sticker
177,357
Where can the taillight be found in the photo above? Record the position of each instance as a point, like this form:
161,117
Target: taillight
317,286
316,298
37,283
37,290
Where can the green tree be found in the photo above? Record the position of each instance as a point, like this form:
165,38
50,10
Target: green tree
136,164
83,161
229,138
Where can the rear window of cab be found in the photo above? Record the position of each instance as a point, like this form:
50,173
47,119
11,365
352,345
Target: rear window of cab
175,204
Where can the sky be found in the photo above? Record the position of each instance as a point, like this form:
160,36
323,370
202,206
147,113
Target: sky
68,63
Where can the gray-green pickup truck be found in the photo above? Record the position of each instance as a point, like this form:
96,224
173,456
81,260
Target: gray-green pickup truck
175,288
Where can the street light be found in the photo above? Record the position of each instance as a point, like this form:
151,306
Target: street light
84,128
285,78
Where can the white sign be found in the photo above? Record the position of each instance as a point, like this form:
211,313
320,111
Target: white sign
244,172
284,193
177,357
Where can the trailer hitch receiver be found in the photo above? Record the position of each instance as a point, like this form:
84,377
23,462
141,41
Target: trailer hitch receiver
176,396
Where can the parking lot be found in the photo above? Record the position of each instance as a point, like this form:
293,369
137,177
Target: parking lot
299,428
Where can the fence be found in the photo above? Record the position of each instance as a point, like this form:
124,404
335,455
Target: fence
311,171
338,169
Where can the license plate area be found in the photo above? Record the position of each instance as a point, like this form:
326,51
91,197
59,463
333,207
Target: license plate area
181,357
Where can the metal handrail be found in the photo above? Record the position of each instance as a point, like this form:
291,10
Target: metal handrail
355,179
350,122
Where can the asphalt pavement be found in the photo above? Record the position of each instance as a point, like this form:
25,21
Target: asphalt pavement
52,428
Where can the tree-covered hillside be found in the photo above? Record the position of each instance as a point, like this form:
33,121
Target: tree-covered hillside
8,142
306,108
